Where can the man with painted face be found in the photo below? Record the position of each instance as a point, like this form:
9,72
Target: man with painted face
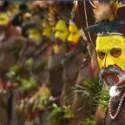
8,39
72,61
112,64
61,34
42,52
11,45
40,66
110,49
74,35
47,29
61,30
36,45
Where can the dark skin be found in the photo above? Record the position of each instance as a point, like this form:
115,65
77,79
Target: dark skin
120,118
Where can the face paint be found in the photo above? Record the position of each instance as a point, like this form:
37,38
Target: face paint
56,49
61,30
74,35
111,50
46,29
4,19
34,35
111,58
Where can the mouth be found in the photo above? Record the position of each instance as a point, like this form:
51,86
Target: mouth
110,78
112,75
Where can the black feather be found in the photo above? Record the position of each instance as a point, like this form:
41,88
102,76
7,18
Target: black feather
105,26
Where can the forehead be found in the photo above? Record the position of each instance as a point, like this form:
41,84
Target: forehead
61,25
73,28
110,41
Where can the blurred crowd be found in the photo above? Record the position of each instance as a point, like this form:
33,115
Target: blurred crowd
42,52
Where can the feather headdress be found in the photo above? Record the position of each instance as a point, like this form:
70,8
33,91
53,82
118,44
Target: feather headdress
106,16
106,10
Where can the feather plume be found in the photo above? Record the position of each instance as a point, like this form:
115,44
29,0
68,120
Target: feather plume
105,11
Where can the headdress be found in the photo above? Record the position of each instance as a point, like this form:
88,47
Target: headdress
107,16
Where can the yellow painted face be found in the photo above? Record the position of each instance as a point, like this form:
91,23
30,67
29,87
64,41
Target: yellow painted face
111,50
56,49
46,29
61,30
74,35
4,19
34,35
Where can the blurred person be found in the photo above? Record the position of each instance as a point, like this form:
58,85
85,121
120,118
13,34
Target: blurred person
55,66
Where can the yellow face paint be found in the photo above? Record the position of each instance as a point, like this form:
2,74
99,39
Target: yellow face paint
111,50
56,49
34,35
46,29
4,19
74,35
61,31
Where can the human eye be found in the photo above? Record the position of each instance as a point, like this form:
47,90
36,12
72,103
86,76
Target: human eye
101,55
115,52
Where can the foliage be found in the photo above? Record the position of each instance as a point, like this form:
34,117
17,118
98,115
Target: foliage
89,121
67,112
13,71
89,90
29,63
93,94
104,97
55,114
23,83
41,101
59,114
27,84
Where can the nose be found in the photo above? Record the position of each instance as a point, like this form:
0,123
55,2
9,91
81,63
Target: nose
70,38
108,61
57,35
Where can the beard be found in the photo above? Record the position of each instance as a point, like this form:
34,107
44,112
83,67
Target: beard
112,75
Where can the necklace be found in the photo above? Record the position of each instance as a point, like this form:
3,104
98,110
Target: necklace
118,108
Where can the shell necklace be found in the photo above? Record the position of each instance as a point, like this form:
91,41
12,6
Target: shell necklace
113,116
